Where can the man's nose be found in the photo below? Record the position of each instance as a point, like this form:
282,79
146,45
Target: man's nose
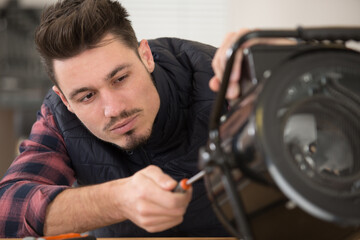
112,105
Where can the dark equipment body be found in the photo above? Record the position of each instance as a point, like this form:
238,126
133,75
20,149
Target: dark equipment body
284,163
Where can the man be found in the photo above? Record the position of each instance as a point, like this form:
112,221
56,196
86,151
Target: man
123,123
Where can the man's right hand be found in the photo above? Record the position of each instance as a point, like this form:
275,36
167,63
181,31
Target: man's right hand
146,199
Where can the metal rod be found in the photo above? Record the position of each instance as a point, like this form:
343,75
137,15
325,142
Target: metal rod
196,177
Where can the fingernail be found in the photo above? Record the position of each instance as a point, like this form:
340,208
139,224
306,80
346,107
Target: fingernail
232,92
167,184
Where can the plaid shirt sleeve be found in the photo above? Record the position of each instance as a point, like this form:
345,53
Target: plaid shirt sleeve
37,175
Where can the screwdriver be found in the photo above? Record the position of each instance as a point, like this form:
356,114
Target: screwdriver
185,183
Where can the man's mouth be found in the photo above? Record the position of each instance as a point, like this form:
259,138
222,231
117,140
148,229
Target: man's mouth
124,126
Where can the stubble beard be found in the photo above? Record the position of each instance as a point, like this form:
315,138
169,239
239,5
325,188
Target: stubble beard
132,141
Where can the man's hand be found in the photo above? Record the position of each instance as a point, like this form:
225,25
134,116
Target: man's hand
146,199
220,60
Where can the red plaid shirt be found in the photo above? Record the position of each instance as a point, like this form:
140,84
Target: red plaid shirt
38,174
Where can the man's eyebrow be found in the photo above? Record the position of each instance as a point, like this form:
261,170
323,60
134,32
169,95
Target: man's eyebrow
77,91
108,77
116,70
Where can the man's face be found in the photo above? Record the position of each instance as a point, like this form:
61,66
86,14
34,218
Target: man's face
111,91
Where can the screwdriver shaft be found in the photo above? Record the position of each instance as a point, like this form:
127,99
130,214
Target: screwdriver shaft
185,183
196,177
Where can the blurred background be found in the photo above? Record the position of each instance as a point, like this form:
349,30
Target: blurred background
23,82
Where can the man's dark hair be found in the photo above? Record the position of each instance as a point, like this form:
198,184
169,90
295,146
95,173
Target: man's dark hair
69,27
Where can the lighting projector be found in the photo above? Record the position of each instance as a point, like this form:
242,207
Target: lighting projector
284,161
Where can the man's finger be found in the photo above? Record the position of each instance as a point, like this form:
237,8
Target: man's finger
158,176
214,83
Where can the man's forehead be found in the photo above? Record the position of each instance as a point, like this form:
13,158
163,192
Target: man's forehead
106,42
98,62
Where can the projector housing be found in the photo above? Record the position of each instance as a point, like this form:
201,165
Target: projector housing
291,142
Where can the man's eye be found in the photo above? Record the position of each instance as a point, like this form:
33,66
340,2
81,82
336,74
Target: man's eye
87,97
121,78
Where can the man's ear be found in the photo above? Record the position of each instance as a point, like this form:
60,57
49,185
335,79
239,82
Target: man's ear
146,55
63,98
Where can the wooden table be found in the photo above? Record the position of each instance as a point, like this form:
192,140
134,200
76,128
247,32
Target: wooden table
162,238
